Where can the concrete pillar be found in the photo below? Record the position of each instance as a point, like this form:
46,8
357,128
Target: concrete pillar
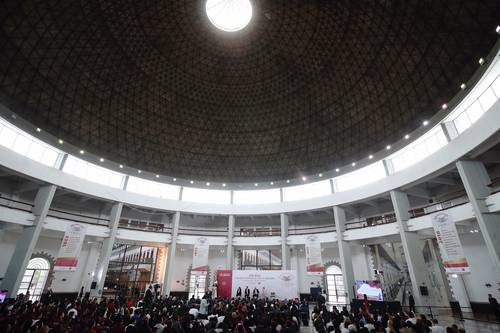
106,249
411,247
475,179
344,252
169,271
27,241
230,249
285,253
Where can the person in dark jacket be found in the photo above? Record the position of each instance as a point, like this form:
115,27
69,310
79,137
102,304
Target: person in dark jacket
238,292
304,313
247,292
411,303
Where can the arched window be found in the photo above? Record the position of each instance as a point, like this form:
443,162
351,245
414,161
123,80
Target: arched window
335,285
34,278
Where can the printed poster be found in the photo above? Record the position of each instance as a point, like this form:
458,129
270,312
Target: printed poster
71,246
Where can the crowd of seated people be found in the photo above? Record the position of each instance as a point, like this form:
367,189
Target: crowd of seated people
208,315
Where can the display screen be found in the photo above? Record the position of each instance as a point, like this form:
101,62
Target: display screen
3,295
372,290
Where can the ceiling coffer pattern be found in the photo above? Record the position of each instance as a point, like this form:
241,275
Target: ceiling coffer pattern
305,87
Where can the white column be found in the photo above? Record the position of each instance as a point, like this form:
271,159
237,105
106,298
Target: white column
90,266
411,247
344,252
27,241
106,249
475,179
169,271
230,249
285,253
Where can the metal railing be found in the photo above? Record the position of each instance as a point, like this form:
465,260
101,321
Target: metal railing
457,199
259,232
311,230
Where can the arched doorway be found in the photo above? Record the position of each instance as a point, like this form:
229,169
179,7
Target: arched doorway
335,285
34,278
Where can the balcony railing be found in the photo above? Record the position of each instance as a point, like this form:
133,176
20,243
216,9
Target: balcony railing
457,199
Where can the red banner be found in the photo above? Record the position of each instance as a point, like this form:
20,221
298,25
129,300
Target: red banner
224,282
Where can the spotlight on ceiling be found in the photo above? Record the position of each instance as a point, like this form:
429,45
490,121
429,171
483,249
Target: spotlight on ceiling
407,136
320,175
208,184
337,170
101,160
224,185
353,164
425,123
444,106
229,15
175,179
304,178
157,176
61,141
481,61
38,129
256,184
82,152
139,171
388,147
121,166
191,182
370,157
288,181
271,183
463,86
497,29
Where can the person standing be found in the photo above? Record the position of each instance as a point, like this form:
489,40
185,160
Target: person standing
247,292
238,292
411,303
494,306
304,313
255,293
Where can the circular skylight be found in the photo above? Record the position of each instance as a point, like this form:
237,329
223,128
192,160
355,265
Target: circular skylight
229,15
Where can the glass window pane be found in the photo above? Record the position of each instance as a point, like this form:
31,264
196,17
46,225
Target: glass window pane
21,145
487,99
475,111
206,196
307,191
7,137
256,197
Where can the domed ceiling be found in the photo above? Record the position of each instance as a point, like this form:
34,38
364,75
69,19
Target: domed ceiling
305,87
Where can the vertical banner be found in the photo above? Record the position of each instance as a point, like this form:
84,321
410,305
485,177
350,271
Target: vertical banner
314,262
454,260
224,283
200,256
71,246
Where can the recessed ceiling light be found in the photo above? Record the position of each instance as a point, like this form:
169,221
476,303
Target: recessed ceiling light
101,159
271,183
139,171
407,136
370,157
444,106
497,29
229,15
388,147
463,86
255,184
121,166
320,175
304,178
224,185
191,182
481,61
337,170
82,152
208,184
175,179
425,123
353,164
288,181
61,141
157,176
38,129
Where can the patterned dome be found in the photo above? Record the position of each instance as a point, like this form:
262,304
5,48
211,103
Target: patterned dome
306,86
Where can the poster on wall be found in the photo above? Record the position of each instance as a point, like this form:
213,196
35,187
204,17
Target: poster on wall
71,246
200,256
452,253
314,262
272,284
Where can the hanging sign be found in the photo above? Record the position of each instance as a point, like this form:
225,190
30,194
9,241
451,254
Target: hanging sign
452,253
313,256
200,256
71,246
